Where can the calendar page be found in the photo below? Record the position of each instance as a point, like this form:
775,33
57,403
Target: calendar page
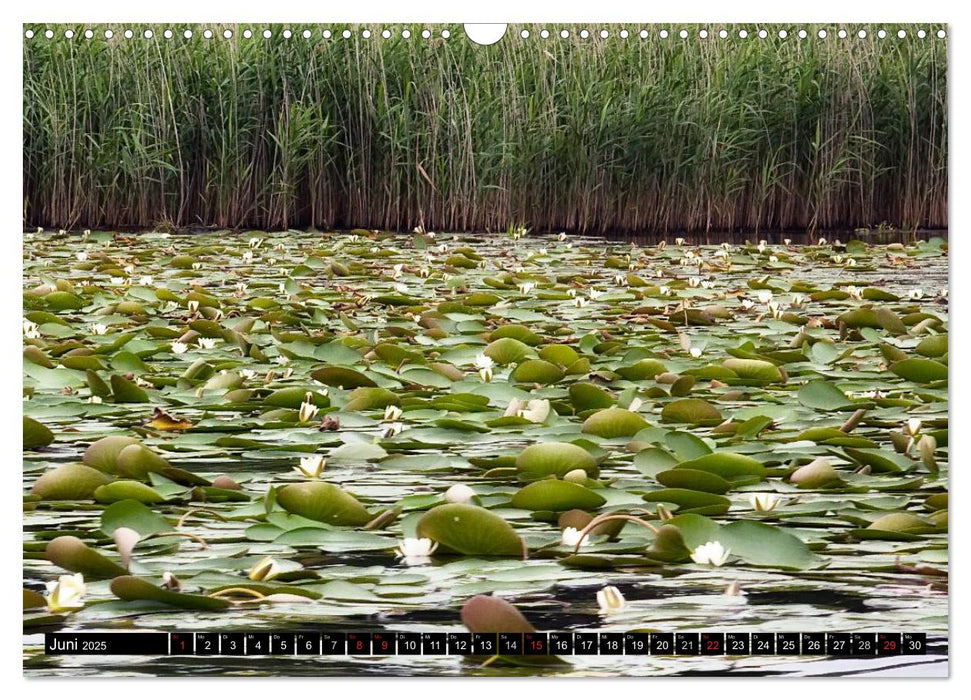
437,349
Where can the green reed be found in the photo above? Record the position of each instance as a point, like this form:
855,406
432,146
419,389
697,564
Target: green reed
593,134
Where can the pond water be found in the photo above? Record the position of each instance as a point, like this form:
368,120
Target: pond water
411,314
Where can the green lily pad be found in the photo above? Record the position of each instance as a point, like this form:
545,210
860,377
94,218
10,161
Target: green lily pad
693,411
134,588
555,495
72,554
69,482
324,502
613,423
554,459
471,530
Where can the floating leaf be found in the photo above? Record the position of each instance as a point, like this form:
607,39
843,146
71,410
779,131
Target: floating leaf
134,588
553,459
920,371
613,423
468,529
36,434
693,411
324,502
556,495
69,482
71,553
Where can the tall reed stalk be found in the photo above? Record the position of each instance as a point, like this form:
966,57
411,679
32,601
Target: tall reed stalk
596,135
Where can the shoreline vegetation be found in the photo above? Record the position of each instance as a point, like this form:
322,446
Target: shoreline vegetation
595,135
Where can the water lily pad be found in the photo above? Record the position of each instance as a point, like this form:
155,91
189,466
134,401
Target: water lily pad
135,516
920,371
727,465
134,588
36,434
468,529
103,454
507,351
693,411
553,459
537,371
758,371
370,398
555,495
344,377
125,489
324,502
586,397
71,553
69,482
613,423
824,396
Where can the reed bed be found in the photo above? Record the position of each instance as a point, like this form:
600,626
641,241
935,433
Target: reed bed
593,135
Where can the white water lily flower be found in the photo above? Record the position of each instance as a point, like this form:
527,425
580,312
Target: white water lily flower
787,241
146,280
797,301
118,281
620,280
611,600
765,295
562,236
308,410
197,266
912,426
255,242
851,262
94,399
916,293
247,373
526,287
248,256
837,259
193,306
311,466
416,550
442,248
282,360
397,270
747,304
392,429
535,411
695,352
264,570
81,255
821,241
459,493
571,538
66,594
694,281
774,309
392,413
763,502
241,289
483,361
707,284
712,553
207,343
663,290
854,292
635,405
579,302
942,292
31,329
595,294
424,273
568,246
679,241
761,247
179,348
